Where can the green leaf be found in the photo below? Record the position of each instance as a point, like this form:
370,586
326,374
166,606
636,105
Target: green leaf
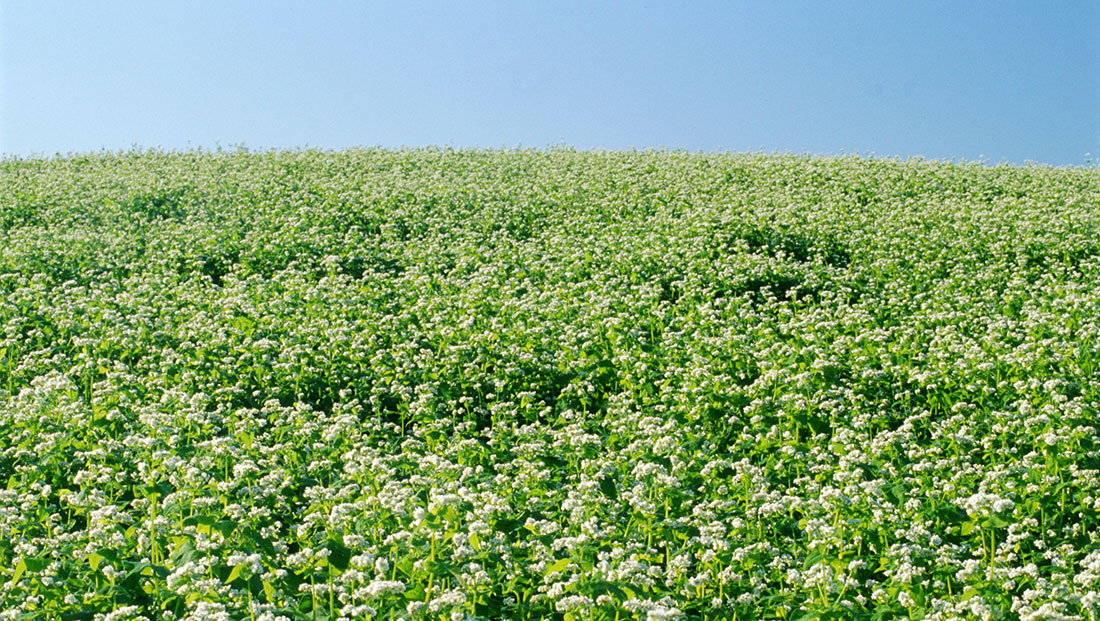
269,592
557,566
967,528
185,553
233,575
20,567
339,554
94,560
36,564
602,588
609,489
225,527
202,523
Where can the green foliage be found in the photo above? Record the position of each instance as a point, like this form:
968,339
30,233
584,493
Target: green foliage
441,384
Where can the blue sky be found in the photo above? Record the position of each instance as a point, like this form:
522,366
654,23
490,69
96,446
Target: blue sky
999,81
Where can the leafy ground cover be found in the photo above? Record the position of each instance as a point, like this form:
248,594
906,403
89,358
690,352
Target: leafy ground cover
436,384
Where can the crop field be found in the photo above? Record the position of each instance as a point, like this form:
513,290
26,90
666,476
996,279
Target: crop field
581,386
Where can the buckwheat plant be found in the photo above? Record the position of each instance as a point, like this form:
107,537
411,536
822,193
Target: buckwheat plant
480,384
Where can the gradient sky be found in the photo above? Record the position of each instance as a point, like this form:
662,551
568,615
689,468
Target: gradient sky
1000,81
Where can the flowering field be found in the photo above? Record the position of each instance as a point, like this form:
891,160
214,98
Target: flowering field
435,384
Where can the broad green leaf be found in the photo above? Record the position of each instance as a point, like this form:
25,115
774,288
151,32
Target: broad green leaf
609,489
233,575
339,554
557,566
36,564
20,567
225,527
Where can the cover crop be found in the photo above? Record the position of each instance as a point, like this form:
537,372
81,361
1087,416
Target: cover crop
437,384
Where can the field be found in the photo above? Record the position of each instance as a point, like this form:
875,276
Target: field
439,384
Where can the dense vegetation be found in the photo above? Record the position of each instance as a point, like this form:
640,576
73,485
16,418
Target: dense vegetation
573,385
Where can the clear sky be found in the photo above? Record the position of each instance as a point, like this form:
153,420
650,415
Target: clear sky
994,80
